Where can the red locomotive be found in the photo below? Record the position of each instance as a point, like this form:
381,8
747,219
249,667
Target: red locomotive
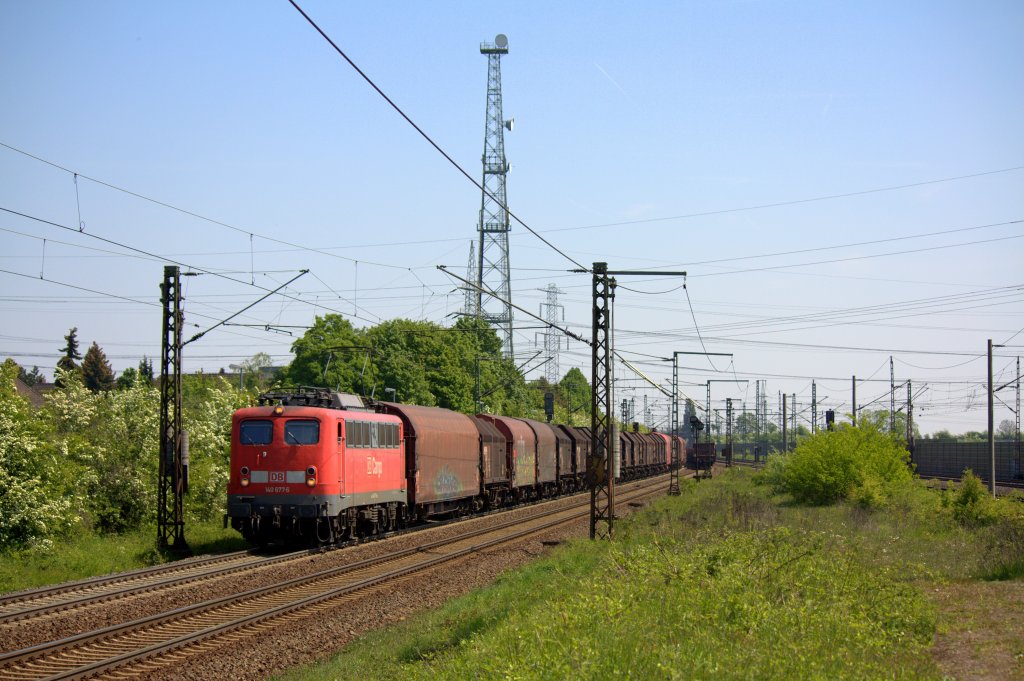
323,466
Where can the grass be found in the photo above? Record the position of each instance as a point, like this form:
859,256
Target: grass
726,581
88,555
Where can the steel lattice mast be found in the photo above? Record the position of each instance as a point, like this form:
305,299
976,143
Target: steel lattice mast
173,481
552,313
493,297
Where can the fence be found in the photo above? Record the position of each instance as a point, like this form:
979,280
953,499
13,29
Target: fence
932,458
949,458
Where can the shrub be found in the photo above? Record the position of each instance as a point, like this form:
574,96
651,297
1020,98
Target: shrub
972,506
32,504
860,464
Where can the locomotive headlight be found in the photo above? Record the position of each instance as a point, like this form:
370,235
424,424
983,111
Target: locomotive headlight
311,476
278,410
245,476
245,482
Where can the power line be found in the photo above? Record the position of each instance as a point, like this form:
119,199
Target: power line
190,213
427,137
875,255
181,264
778,204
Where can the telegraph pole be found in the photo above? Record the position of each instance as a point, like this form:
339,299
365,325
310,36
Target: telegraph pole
600,468
602,421
757,411
785,434
892,396
728,431
792,416
854,382
1017,431
814,408
171,486
991,411
910,419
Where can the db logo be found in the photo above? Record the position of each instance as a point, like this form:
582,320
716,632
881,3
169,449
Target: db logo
374,467
276,476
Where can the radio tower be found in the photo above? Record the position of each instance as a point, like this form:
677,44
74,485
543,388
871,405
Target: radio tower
493,296
551,340
469,304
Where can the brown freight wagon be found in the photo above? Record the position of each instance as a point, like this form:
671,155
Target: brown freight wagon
626,456
521,448
664,449
442,459
656,452
683,452
644,453
493,461
566,452
547,455
581,451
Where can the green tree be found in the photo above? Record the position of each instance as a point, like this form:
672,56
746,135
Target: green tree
323,356
575,395
879,420
421,362
97,373
745,428
69,362
128,378
207,406
34,506
30,378
1007,430
252,369
146,370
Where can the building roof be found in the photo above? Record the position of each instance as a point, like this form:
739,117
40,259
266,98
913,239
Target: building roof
30,393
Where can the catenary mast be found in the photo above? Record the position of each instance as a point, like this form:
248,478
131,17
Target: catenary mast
493,295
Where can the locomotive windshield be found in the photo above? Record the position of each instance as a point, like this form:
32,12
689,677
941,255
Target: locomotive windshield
256,432
301,432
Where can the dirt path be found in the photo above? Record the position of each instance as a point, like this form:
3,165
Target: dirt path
980,630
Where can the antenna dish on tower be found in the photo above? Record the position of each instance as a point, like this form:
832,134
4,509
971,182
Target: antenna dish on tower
501,40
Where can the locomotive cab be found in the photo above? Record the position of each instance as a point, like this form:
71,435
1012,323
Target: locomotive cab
306,466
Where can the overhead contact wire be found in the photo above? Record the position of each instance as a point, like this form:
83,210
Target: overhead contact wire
427,137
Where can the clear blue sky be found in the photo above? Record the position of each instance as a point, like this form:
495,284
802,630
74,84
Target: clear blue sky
632,113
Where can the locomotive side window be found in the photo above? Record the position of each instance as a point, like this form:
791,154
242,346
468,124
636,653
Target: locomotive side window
301,432
357,434
366,434
255,432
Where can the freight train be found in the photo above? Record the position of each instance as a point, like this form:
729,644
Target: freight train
314,466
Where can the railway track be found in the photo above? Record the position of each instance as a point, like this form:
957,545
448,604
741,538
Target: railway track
145,645
64,597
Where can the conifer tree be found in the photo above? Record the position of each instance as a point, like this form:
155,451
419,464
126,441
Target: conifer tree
30,378
146,370
71,354
97,373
